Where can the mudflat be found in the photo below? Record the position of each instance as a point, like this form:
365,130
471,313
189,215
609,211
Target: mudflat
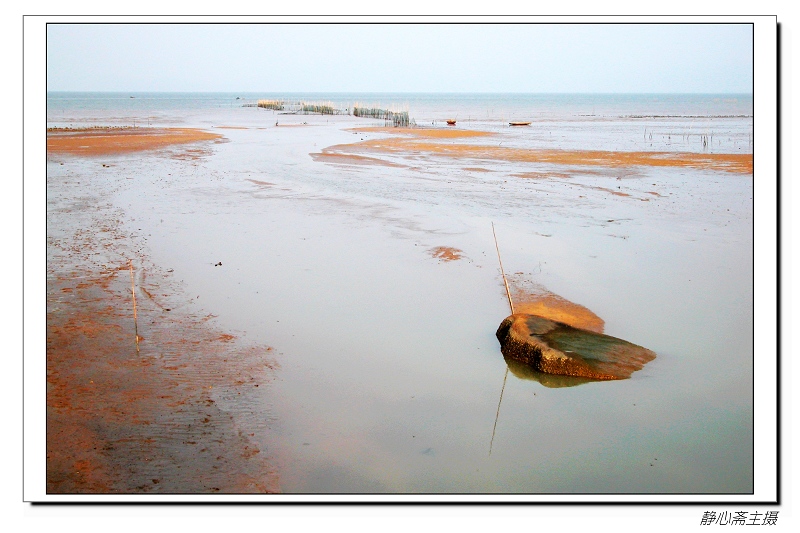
350,272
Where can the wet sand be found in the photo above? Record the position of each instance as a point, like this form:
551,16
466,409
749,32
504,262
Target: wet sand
122,421
171,413
328,156
542,175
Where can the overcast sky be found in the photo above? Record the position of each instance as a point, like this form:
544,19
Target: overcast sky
400,58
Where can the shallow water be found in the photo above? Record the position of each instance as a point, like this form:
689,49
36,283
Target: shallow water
390,373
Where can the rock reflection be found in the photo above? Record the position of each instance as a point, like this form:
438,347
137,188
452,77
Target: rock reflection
553,381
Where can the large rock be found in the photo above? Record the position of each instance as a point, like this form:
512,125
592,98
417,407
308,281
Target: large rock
557,348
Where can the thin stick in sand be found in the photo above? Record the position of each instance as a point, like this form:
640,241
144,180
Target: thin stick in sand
508,292
135,321
511,305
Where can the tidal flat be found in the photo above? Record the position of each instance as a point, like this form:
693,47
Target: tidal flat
318,297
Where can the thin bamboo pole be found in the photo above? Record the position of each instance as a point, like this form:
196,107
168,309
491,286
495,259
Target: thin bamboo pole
135,320
508,292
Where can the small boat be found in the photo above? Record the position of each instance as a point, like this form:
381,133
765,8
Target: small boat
519,123
451,122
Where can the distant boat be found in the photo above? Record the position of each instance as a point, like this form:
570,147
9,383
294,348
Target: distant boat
519,123
451,122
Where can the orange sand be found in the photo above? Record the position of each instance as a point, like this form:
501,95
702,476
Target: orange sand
446,253
418,143
102,141
119,421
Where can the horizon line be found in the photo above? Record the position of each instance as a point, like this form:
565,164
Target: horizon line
388,92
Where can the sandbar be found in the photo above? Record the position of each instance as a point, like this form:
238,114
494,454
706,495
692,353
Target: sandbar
103,141
419,141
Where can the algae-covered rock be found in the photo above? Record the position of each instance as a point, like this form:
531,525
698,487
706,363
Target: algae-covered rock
557,348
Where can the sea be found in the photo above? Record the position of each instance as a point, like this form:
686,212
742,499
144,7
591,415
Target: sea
422,107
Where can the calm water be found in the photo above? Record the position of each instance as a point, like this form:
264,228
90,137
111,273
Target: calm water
391,377
422,107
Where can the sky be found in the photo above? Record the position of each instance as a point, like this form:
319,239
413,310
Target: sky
530,58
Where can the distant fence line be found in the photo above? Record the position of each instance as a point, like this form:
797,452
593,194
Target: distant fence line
397,118
276,105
